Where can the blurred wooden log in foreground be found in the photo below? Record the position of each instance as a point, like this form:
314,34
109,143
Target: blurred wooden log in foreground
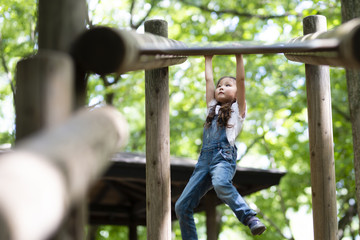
345,54
105,50
50,171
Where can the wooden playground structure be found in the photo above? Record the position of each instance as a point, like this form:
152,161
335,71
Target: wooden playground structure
63,153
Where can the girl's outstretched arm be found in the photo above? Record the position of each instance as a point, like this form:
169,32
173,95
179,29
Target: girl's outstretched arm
240,84
210,86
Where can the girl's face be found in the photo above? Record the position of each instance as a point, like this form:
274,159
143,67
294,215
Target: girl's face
225,91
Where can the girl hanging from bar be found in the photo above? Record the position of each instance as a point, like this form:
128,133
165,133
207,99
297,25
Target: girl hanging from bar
217,162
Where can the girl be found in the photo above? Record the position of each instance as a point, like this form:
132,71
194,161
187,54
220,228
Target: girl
217,162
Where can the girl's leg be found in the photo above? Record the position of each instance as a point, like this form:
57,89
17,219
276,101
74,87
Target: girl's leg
198,185
222,173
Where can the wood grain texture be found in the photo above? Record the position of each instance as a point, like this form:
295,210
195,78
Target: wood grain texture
321,142
107,50
158,184
53,170
350,9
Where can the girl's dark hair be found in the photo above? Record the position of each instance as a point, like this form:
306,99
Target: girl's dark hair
224,111
223,78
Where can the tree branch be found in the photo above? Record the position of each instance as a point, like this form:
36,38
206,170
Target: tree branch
137,25
237,13
268,153
109,96
131,11
283,209
107,83
250,146
346,220
6,69
345,115
88,21
274,225
282,202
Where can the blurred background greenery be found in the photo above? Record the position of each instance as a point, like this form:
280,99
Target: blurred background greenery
275,134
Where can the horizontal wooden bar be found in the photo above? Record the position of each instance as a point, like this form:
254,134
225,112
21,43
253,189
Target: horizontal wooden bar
243,47
345,54
105,50
47,173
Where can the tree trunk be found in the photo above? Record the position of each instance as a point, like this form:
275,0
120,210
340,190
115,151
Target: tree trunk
351,9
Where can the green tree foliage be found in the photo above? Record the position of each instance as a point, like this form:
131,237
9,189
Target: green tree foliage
275,134
17,40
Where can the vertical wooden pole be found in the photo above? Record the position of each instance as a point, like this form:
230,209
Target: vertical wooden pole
60,22
132,226
44,92
91,232
158,201
212,223
133,231
321,142
5,231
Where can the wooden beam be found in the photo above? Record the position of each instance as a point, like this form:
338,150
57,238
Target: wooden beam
346,54
321,142
47,172
113,220
158,184
106,50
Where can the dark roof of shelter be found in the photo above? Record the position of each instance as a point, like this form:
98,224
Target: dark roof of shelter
119,197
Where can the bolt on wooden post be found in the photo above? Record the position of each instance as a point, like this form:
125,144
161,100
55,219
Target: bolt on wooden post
158,185
321,142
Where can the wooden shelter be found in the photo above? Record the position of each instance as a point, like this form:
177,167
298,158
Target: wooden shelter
118,198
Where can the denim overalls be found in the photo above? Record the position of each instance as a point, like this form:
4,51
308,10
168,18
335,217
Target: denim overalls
215,169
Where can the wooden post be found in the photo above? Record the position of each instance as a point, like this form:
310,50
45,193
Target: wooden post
49,100
158,198
44,95
133,231
60,22
132,226
351,9
212,221
321,142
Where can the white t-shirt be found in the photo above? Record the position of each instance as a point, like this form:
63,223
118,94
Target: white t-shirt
235,121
